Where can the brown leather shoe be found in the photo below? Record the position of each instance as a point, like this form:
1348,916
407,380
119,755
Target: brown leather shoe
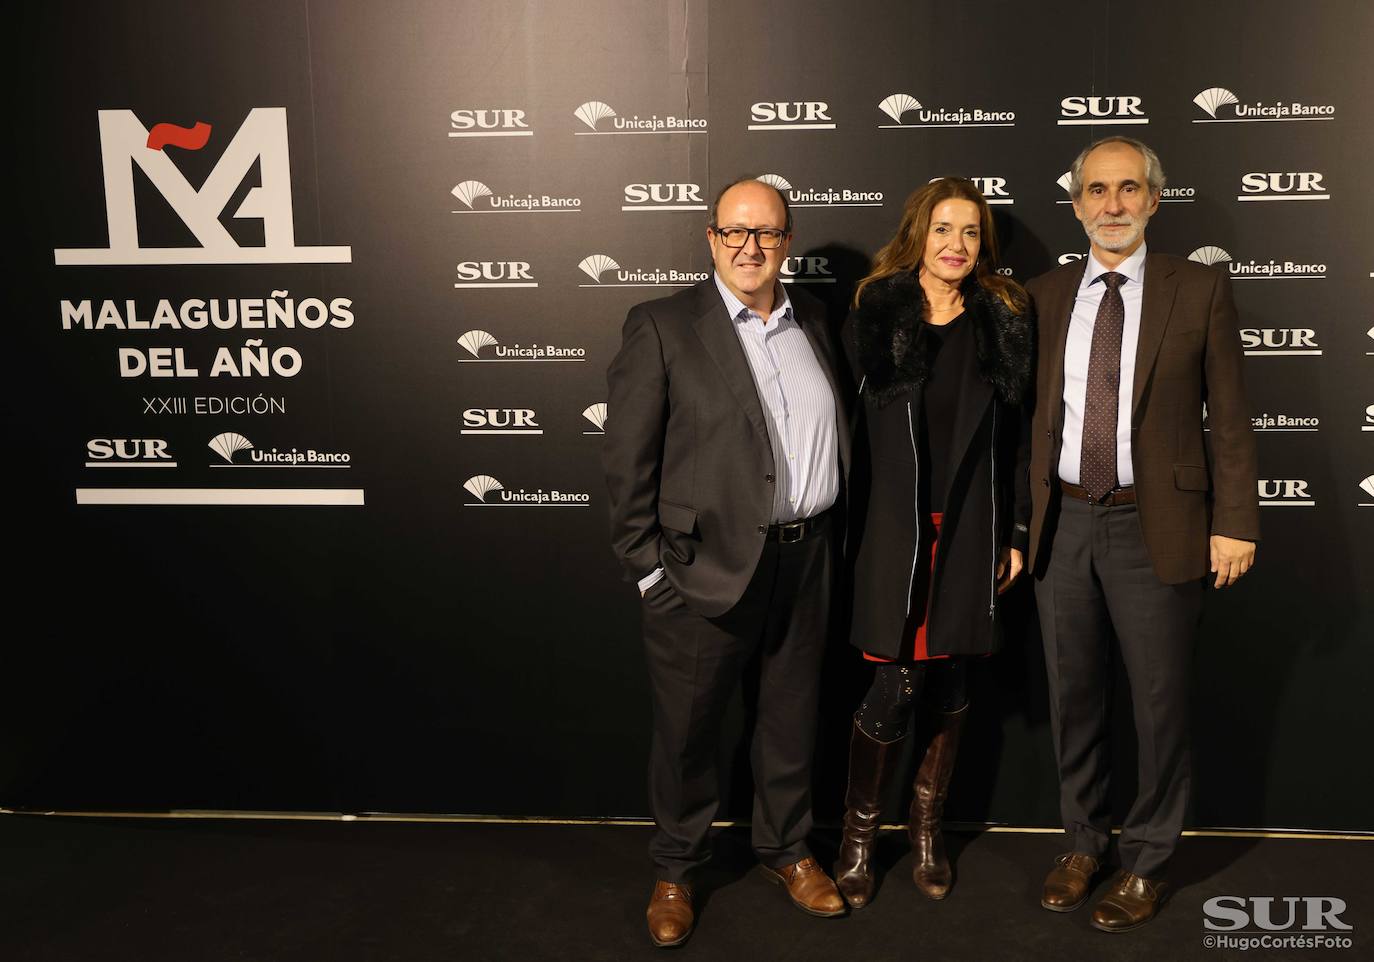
1069,882
930,866
809,887
1129,903
871,763
670,914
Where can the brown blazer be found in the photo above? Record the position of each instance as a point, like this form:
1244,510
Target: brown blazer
1188,353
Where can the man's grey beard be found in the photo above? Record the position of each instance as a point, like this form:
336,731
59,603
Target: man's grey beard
1136,222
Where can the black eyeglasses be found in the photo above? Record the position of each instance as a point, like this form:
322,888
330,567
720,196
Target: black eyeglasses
769,238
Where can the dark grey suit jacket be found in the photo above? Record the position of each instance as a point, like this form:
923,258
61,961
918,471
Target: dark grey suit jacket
688,463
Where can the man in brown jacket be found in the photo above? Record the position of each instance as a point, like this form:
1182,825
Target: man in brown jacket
1130,513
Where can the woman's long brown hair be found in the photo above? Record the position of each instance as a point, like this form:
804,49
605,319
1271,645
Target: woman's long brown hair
903,253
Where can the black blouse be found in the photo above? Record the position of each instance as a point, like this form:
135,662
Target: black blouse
953,364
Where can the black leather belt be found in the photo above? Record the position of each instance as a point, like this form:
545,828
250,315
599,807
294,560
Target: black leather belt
1112,498
793,531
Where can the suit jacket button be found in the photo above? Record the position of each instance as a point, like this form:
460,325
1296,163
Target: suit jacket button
768,478
763,529
1045,482
1050,435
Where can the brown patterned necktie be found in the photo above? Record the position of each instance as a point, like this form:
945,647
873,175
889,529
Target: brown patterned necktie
1097,466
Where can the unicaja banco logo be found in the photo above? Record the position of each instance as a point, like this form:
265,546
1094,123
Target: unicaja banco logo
469,191
1213,98
1209,255
478,198
596,265
593,112
481,485
476,341
823,196
1253,270
897,106
1215,101
596,414
260,145
228,444
601,119
490,493
1367,486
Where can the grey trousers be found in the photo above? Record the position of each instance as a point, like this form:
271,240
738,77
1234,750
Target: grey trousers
1099,598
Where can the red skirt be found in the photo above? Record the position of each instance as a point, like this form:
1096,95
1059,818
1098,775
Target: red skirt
915,649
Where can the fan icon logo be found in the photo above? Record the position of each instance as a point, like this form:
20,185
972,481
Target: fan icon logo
477,198
1214,102
474,342
594,112
898,106
596,414
823,196
228,444
1210,256
595,267
1367,486
480,485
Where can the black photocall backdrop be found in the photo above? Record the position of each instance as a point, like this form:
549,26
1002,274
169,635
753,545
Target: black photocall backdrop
412,640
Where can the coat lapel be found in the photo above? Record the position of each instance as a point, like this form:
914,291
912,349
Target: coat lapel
1158,301
716,330
1054,316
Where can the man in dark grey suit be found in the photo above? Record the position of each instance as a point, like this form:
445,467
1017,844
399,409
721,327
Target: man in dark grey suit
724,455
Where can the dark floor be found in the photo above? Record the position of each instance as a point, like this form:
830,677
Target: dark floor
295,891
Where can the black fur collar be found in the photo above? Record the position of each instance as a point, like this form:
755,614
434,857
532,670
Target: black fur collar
892,355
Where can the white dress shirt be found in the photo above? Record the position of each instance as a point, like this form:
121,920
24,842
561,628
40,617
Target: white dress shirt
798,408
1077,352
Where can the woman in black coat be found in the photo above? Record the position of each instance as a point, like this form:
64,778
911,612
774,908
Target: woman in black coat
941,347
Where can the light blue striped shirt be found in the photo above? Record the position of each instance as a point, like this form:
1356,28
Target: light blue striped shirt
798,407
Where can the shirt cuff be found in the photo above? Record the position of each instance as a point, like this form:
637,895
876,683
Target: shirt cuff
649,580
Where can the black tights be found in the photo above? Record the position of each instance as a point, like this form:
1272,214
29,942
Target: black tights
885,712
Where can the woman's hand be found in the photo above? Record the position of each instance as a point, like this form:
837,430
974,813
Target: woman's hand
1009,564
